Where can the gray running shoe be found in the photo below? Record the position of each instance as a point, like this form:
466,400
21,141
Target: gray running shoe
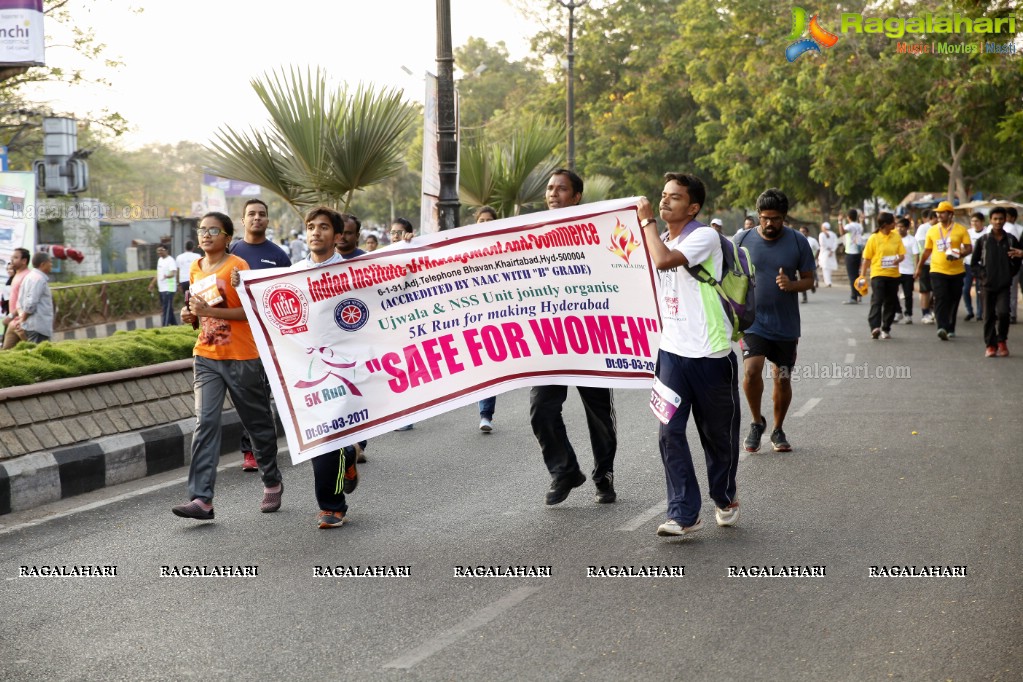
756,432
779,442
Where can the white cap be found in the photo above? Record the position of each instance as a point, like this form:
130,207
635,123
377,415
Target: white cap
826,225
716,221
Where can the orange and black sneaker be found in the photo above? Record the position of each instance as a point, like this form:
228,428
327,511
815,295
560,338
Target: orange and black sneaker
351,477
329,519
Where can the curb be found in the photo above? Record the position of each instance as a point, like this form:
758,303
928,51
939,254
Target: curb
43,477
100,331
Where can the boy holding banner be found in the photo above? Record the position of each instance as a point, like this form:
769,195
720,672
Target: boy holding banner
697,370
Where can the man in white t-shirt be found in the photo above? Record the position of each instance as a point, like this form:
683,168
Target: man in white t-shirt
852,236
815,249
907,266
697,370
828,242
184,262
926,317
971,284
166,282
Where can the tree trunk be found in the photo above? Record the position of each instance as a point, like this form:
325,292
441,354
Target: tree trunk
956,182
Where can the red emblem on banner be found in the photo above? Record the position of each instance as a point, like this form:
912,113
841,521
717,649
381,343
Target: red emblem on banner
286,308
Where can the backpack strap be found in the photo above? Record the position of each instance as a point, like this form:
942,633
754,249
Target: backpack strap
702,275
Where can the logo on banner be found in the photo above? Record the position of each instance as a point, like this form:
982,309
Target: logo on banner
325,356
623,242
287,307
351,314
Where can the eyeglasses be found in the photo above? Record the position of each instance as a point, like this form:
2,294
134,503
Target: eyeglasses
772,220
397,233
212,232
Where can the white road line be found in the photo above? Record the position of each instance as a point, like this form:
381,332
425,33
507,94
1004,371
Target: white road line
110,500
473,622
637,521
850,358
810,404
851,342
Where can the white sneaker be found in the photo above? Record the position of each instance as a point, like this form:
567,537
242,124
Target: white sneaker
729,515
898,318
927,319
672,527
486,426
885,335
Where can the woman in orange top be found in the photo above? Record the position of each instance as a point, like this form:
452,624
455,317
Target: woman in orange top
226,360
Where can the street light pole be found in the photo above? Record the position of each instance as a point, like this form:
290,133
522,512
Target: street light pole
571,5
447,142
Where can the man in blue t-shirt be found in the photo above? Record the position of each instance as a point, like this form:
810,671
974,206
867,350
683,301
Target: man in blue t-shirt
260,253
780,254
254,248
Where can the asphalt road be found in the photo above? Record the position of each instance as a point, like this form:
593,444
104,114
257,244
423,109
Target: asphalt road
923,470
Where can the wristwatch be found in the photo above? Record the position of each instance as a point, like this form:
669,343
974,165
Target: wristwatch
647,221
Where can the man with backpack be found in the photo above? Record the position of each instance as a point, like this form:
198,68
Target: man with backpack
774,335
696,369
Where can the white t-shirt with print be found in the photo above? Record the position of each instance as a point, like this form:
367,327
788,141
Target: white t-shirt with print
695,324
166,275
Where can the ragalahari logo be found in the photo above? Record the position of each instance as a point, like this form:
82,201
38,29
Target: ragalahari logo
623,242
819,36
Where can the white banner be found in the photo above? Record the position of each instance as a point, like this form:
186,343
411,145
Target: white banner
22,37
362,347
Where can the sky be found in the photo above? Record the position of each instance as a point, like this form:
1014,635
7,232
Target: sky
188,64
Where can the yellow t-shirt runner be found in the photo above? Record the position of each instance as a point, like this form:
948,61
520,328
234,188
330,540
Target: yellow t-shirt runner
882,251
941,240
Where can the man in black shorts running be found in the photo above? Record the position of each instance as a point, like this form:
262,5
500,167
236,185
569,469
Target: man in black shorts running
780,253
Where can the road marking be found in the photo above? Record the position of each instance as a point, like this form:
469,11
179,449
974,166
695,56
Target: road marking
834,382
102,503
850,358
449,637
851,342
810,404
638,521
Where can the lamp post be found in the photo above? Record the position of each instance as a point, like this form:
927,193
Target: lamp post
571,5
447,142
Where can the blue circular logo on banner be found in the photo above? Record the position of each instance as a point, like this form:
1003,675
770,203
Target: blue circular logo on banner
351,314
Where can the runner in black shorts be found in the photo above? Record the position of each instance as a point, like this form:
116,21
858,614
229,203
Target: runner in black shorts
783,254
781,354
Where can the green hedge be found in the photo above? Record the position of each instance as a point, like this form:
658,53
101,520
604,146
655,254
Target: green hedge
104,300
112,277
29,363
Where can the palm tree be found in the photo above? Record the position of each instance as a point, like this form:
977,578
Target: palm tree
511,174
597,188
321,144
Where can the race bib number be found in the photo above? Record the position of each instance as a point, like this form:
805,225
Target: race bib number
664,402
943,245
888,261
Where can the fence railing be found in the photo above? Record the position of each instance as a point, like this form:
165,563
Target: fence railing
84,305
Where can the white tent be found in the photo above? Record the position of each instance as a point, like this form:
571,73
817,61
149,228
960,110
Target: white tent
985,205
